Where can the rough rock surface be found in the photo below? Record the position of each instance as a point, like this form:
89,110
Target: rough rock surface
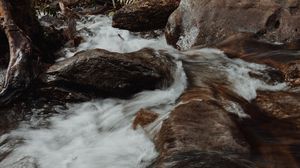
104,73
145,15
287,106
206,22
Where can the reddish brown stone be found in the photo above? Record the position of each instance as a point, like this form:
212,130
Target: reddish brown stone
280,105
143,118
274,131
198,131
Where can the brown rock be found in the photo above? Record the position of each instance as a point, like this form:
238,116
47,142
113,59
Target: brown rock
207,22
200,130
103,73
292,72
200,133
273,131
285,106
143,118
1,13
144,15
283,57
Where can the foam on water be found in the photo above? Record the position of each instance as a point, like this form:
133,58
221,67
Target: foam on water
98,33
245,85
96,133
99,133
236,72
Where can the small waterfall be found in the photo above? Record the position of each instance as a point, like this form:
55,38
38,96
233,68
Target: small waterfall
98,33
212,65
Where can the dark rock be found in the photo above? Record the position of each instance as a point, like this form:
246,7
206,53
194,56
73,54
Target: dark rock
144,15
70,2
103,73
4,50
207,22
292,72
143,118
36,102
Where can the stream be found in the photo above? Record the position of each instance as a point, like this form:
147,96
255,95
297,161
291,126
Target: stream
99,133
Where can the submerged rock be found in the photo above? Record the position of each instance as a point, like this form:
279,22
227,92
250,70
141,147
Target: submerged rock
103,73
207,22
145,15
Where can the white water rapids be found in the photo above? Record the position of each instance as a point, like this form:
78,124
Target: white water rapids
99,133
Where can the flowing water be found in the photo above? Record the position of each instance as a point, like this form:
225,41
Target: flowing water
99,133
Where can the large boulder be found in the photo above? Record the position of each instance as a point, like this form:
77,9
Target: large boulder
206,22
202,130
103,73
273,129
200,133
145,15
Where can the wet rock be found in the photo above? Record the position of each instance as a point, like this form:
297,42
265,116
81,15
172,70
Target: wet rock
195,159
26,162
273,129
286,107
250,47
284,57
10,117
144,15
103,73
33,104
292,72
143,118
200,133
70,2
207,22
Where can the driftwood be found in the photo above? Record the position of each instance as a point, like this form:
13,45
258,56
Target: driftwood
21,69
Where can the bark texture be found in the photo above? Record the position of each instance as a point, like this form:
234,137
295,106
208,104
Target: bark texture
18,24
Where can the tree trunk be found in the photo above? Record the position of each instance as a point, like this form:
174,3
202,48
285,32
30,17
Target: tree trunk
22,31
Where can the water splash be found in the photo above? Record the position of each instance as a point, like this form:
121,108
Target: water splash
94,133
213,66
98,33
